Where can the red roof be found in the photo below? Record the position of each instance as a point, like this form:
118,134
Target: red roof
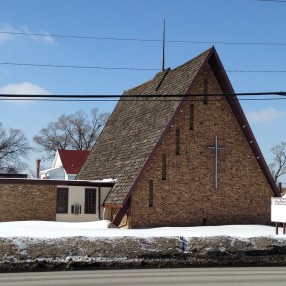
73,160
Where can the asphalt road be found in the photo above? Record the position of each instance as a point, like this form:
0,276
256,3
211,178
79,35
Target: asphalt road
184,276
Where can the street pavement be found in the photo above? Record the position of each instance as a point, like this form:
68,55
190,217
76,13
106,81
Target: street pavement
273,276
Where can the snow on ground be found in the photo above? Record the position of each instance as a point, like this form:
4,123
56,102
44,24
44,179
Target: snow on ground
49,229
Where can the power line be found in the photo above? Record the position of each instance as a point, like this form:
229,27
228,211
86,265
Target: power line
271,0
79,67
256,71
143,40
141,100
280,93
124,68
148,97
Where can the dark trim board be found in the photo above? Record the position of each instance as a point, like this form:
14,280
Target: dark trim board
15,181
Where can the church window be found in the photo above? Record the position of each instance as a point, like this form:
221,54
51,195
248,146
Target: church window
206,91
62,200
191,117
90,201
177,141
164,167
150,193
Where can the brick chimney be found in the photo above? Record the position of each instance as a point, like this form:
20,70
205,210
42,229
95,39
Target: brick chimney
38,162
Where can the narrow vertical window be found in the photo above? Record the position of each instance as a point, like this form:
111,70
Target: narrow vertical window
62,200
191,117
206,91
90,201
177,141
164,166
150,193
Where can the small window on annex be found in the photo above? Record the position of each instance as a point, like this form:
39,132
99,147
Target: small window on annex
62,200
90,201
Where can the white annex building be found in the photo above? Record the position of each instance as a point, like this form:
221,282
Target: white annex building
66,165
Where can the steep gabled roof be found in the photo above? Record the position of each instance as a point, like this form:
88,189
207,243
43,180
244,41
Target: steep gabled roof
73,160
131,132
136,127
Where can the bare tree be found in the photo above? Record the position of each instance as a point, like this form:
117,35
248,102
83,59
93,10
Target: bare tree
77,131
14,148
278,166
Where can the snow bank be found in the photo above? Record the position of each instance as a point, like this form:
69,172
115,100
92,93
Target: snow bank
41,245
50,229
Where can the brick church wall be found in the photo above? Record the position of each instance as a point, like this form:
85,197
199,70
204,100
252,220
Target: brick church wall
20,202
188,196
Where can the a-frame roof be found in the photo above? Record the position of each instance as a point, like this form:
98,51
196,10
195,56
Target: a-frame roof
137,125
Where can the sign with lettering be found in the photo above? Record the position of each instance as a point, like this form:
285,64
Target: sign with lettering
278,210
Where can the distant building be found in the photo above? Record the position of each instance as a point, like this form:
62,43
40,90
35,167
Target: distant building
66,165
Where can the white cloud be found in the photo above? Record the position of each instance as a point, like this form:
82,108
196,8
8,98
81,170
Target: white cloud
38,35
265,115
9,33
7,37
24,88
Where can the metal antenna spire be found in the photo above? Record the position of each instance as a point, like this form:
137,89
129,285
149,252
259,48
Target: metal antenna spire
163,60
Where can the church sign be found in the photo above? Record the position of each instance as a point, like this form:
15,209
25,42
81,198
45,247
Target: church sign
278,209
278,212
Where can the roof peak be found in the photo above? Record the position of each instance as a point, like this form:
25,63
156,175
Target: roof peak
159,77
195,58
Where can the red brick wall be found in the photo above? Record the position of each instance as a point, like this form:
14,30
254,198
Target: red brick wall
27,202
188,196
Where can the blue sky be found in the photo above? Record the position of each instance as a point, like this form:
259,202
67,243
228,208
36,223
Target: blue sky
230,25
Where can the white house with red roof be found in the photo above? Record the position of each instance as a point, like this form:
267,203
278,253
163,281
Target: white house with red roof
66,165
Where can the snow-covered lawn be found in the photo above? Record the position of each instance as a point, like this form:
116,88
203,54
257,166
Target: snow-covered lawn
49,229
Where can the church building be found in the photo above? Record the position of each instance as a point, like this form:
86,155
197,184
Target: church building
182,153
